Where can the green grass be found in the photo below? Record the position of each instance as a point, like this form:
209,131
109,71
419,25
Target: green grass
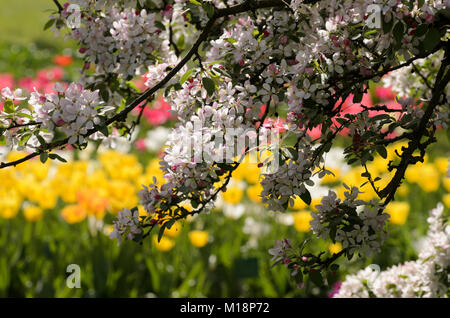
24,45
22,22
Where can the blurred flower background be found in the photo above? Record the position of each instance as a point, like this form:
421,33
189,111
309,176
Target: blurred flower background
56,214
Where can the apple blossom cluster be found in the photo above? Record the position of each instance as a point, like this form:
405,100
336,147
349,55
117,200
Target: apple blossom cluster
330,47
279,251
70,110
127,225
198,153
361,232
120,41
288,181
425,277
413,81
73,110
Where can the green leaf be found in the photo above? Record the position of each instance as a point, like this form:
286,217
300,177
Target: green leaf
186,76
398,32
357,98
421,30
56,156
25,115
292,153
209,85
365,174
231,40
9,106
169,223
209,9
276,263
159,25
334,267
341,120
41,140
432,39
195,2
23,139
381,151
104,93
49,24
161,232
43,157
306,197
444,12
387,26
103,129
316,278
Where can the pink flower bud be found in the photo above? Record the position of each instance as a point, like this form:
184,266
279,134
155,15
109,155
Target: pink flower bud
60,122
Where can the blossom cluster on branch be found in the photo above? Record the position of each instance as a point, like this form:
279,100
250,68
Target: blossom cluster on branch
425,277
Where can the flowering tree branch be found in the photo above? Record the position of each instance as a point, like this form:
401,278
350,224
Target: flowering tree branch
297,58
121,116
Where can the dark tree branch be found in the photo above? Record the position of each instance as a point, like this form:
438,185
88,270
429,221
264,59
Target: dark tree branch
407,157
60,8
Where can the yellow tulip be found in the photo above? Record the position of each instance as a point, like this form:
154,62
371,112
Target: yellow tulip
198,238
240,172
174,231
233,195
299,204
412,174
33,213
301,221
9,203
94,204
252,173
429,178
73,213
446,183
392,148
380,165
398,211
446,199
335,248
164,245
254,191
442,165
